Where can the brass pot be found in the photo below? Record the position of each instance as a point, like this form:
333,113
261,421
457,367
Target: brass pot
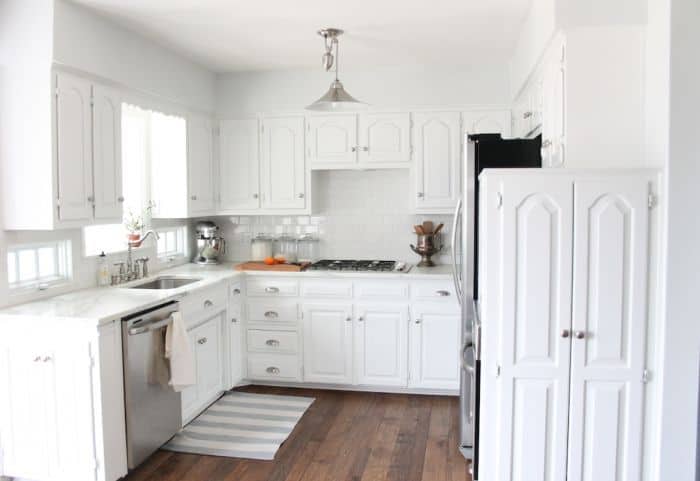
427,245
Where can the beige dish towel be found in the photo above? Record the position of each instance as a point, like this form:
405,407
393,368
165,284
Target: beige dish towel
158,369
179,352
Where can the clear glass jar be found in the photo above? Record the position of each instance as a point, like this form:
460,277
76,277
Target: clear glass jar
307,248
260,247
286,249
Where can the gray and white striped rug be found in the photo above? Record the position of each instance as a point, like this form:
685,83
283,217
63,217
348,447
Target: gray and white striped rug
241,425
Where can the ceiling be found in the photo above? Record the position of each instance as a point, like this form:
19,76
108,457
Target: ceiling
238,35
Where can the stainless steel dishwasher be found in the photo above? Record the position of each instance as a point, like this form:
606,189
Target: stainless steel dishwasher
153,411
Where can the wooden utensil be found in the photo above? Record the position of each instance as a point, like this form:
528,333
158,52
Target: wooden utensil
419,229
438,228
427,227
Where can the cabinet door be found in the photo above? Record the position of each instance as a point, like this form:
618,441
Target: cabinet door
385,139
328,343
208,347
74,148
434,347
332,140
24,412
611,226
525,357
283,168
381,341
437,144
200,165
487,122
107,157
189,397
236,346
239,165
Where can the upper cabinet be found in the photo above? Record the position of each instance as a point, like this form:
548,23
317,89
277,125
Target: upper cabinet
487,122
107,153
262,166
371,140
437,144
200,165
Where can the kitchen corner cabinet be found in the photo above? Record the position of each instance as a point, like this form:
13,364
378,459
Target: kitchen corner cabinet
182,180
359,141
565,272
437,144
84,164
58,419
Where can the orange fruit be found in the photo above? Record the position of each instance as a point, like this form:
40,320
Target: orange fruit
269,261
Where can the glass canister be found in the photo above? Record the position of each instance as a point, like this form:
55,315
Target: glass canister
260,247
307,248
286,249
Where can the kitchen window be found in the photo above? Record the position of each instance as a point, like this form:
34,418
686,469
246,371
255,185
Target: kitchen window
171,243
39,265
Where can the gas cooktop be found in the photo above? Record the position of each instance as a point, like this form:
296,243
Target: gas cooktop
360,266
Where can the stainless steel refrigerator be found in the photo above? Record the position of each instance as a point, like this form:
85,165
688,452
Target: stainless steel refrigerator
480,152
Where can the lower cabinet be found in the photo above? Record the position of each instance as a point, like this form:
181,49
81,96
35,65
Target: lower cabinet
236,347
328,343
434,346
207,346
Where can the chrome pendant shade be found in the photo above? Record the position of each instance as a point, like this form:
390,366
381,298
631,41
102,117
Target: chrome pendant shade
337,99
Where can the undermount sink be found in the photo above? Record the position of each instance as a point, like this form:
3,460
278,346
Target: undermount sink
166,283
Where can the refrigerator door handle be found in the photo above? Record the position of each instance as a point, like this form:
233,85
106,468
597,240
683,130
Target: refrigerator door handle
455,275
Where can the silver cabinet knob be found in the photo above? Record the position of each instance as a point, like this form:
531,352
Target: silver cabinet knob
194,197
301,195
202,340
420,195
580,334
47,359
348,319
120,198
527,115
272,370
236,291
208,303
272,342
271,314
360,318
418,320
353,149
91,198
255,196
565,333
546,143
234,320
37,359
442,293
272,290
365,148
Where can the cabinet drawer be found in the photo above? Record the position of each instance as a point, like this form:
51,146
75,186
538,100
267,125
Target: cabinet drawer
272,311
273,287
325,289
381,290
202,303
434,291
273,341
284,367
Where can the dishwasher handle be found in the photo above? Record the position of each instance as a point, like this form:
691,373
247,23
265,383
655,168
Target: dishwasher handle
150,327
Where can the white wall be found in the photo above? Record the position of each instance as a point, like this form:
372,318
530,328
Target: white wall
383,88
682,330
92,43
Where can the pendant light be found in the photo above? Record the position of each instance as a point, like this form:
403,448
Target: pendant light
337,99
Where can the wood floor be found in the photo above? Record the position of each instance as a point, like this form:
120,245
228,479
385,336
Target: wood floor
343,436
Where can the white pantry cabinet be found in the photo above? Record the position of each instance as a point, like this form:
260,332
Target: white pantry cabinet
328,343
350,141
564,311
61,416
434,346
437,141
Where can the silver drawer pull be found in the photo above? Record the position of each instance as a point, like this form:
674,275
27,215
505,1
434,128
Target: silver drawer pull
442,293
272,342
272,290
202,340
37,359
236,291
234,320
271,314
272,370
208,303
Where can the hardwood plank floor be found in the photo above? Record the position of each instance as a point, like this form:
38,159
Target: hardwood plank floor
344,435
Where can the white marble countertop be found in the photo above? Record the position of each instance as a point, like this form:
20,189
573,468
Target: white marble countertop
102,305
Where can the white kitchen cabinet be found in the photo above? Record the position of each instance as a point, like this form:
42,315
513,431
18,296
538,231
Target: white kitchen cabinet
564,270
236,346
327,341
107,154
332,140
283,172
487,122
239,166
381,342
384,140
437,143
59,417
200,165
434,339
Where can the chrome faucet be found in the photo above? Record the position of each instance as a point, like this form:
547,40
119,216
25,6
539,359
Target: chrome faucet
131,271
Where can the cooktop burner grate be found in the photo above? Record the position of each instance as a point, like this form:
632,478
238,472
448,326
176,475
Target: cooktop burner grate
353,265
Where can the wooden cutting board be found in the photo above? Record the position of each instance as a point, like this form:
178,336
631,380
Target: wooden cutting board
261,266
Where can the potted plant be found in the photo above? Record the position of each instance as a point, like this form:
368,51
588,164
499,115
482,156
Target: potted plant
134,223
